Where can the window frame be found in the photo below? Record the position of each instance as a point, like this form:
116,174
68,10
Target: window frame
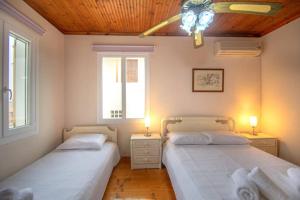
9,135
123,56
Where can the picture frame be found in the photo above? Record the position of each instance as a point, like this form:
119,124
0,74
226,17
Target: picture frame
208,80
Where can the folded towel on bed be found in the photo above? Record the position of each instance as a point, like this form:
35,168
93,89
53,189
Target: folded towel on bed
25,194
294,177
14,194
7,193
244,189
266,185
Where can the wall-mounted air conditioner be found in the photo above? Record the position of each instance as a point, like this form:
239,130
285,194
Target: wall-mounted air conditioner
238,48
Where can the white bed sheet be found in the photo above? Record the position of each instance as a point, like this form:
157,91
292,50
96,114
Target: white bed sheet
203,172
68,174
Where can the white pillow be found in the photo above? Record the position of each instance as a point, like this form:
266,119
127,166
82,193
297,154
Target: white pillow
188,138
218,138
84,141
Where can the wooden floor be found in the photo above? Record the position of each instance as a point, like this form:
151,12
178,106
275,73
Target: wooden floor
128,184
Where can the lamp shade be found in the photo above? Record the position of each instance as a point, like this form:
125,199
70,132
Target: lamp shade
253,121
147,121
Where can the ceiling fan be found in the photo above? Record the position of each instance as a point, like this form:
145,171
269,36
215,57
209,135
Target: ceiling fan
197,15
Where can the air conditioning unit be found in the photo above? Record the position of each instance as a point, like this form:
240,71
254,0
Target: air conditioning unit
238,48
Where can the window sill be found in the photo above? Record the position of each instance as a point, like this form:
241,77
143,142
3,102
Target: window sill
15,137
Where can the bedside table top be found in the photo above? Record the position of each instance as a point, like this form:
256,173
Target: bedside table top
141,136
258,136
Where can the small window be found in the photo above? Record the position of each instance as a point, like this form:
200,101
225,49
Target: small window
111,88
123,86
19,84
18,81
135,87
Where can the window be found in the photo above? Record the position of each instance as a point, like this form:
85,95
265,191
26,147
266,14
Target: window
123,86
18,63
18,83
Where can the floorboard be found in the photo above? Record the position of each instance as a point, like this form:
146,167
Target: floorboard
130,184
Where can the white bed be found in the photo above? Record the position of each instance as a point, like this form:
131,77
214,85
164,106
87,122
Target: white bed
70,174
203,172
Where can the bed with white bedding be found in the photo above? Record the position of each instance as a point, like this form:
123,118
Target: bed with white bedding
70,174
203,172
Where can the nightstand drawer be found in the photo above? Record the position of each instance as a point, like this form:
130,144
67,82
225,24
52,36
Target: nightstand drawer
270,150
146,159
263,142
146,143
146,152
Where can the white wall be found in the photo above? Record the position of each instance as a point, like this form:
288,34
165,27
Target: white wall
16,155
281,88
171,82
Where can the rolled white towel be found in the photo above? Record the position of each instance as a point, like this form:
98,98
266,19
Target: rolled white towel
25,194
244,189
14,194
294,177
8,193
266,185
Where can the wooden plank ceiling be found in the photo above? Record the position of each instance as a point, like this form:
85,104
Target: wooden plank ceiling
131,17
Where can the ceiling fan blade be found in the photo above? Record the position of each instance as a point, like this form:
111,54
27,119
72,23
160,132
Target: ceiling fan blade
198,39
161,24
257,8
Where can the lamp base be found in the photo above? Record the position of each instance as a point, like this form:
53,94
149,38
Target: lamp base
148,134
253,131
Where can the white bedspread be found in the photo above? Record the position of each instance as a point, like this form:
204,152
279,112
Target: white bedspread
203,172
69,174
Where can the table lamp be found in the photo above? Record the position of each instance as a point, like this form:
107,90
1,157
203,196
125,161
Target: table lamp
253,123
147,125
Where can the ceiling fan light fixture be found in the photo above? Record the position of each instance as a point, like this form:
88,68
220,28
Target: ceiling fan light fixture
188,21
205,18
192,22
197,15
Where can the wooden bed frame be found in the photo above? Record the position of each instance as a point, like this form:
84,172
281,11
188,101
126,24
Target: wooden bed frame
196,123
103,129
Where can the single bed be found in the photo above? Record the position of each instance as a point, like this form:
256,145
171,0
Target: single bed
70,174
203,172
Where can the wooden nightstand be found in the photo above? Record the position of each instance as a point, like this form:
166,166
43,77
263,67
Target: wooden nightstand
265,142
145,151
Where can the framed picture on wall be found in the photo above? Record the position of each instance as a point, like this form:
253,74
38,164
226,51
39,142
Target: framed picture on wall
208,80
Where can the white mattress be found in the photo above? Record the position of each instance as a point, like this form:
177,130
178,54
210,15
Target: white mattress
203,172
72,174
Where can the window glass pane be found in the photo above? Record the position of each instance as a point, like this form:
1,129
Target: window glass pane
18,82
135,87
111,88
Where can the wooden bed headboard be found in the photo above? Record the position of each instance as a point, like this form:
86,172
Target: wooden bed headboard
196,123
111,133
